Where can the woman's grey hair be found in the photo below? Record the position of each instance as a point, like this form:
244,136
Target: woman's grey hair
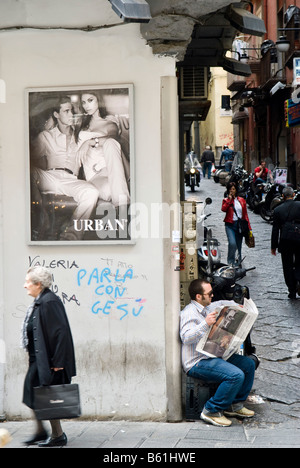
39,274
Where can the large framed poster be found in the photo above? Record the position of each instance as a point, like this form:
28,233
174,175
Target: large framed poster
80,164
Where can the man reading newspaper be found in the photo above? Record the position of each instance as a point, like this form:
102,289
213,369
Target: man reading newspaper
234,374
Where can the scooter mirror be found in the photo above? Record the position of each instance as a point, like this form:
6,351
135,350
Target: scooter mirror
208,201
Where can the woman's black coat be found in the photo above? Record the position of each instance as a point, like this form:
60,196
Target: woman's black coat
52,337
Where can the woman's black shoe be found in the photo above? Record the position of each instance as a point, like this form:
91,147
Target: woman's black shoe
37,438
54,441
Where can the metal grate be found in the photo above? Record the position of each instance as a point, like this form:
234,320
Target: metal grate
193,82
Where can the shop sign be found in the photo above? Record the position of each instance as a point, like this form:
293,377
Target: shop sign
292,113
296,68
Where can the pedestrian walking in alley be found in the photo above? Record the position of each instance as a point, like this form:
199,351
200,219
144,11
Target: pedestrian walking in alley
228,156
235,208
207,159
234,376
46,336
284,238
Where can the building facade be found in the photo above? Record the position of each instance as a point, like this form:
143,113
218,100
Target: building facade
266,103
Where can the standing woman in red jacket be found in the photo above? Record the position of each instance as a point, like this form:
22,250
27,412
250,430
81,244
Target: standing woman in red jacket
235,207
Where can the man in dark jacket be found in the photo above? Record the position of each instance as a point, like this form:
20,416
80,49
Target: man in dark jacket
207,159
289,210
228,156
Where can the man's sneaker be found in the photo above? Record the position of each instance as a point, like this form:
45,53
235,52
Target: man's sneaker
217,419
241,413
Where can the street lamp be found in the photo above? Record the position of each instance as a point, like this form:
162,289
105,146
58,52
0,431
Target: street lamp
283,44
244,57
132,11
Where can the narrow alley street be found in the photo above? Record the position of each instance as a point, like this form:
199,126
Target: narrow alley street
276,333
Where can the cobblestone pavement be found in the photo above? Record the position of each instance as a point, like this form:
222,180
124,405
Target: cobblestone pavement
276,332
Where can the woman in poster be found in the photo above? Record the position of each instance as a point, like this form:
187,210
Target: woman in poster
100,152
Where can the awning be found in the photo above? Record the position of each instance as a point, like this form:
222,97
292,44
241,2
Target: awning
244,21
194,110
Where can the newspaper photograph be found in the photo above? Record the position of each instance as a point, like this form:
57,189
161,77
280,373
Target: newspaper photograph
234,322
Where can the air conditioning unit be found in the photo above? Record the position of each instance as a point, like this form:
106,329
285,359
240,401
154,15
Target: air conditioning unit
193,82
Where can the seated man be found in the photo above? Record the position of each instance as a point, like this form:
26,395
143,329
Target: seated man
234,376
262,174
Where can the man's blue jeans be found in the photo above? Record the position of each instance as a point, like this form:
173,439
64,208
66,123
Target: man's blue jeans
228,166
207,165
234,376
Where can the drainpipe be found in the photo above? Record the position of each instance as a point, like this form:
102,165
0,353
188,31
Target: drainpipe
2,341
170,195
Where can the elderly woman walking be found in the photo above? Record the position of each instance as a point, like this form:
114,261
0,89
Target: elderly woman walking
46,336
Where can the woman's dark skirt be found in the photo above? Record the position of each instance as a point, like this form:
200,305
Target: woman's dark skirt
32,380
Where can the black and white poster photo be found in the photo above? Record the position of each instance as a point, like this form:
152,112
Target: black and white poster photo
80,164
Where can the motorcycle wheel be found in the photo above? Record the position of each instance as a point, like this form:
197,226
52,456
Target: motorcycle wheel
250,203
266,214
256,205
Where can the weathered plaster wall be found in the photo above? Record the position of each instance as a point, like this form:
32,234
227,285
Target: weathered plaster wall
121,361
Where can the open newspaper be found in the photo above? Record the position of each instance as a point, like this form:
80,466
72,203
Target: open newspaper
234,322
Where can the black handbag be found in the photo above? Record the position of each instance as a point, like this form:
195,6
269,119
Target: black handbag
243,227
57,402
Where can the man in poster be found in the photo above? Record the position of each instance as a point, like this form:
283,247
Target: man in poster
59,147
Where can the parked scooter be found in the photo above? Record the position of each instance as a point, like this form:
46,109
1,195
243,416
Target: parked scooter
217,173
191,171
267,213
225,286
255,194
209,255
271,199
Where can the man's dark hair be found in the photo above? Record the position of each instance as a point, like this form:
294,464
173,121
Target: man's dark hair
60,101
196,287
